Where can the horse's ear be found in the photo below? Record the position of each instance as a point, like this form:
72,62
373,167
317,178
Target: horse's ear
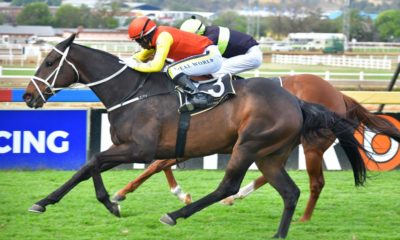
70,39
67,42
78,31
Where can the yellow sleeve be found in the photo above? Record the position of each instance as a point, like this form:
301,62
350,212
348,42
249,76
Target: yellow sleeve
143,55
163,45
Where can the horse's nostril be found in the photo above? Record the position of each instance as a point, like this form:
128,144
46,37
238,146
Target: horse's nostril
27,97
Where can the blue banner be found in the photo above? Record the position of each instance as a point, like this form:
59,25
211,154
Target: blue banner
39,139
66,95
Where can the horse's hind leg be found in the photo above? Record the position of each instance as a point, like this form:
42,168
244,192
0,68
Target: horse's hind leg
280,180
175,188
154,168
316,177
230,184
246,190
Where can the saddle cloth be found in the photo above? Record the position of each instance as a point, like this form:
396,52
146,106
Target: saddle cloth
219,88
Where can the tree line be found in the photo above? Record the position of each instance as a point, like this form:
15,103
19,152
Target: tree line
66,16
362,28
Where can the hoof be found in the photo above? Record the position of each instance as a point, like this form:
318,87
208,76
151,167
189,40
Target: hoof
118,198
302,220
188,199
278,236
115,209
229,201
37,209
167,220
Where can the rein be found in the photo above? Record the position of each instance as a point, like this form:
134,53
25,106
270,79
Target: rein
126,102
139,98
53,89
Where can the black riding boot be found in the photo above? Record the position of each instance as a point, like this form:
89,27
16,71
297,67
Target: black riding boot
185,83
197,100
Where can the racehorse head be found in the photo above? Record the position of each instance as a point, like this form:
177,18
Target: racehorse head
54,73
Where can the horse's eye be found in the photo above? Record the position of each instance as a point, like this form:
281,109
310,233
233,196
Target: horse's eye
49,63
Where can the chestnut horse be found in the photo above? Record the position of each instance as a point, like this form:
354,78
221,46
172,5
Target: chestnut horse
307,87
143,122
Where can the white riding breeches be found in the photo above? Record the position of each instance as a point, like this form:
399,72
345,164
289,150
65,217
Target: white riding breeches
250,60
207,63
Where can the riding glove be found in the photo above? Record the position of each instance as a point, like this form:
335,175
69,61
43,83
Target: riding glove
130,62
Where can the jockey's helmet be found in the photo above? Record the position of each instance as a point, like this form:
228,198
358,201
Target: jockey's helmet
141,30
193,26
141,27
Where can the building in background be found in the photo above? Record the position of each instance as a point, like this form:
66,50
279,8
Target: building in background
34,34
334,42
24,34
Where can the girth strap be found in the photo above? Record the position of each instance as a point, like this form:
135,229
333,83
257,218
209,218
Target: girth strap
183,126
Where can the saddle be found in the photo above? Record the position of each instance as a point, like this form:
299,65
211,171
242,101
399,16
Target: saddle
218,88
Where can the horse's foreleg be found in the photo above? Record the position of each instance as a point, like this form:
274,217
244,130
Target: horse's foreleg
82,175
175,188
154,168
246,190
316,178
230,184
280,180
123,153
101,192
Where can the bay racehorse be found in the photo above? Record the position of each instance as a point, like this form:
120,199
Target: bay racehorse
262,123
307,87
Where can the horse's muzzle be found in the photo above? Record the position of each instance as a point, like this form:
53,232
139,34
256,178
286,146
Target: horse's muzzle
31,101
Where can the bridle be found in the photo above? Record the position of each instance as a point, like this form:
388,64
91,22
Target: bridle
54,74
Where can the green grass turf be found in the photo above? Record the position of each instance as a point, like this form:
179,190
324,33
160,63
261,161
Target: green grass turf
343,212
18,72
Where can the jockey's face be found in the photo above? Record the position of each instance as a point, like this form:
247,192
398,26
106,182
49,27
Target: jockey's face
144,42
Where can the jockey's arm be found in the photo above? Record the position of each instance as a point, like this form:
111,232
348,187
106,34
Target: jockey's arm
163,45
144,55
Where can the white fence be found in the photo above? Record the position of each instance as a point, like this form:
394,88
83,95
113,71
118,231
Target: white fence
12,54
378,47
385,47
329,60
18,54
327,75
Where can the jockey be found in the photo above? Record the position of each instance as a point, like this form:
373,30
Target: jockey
240,51
193,55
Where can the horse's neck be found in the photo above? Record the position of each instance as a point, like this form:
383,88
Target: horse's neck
121,86
130,84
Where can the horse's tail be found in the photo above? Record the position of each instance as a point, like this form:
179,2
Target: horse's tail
316,122
375,123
